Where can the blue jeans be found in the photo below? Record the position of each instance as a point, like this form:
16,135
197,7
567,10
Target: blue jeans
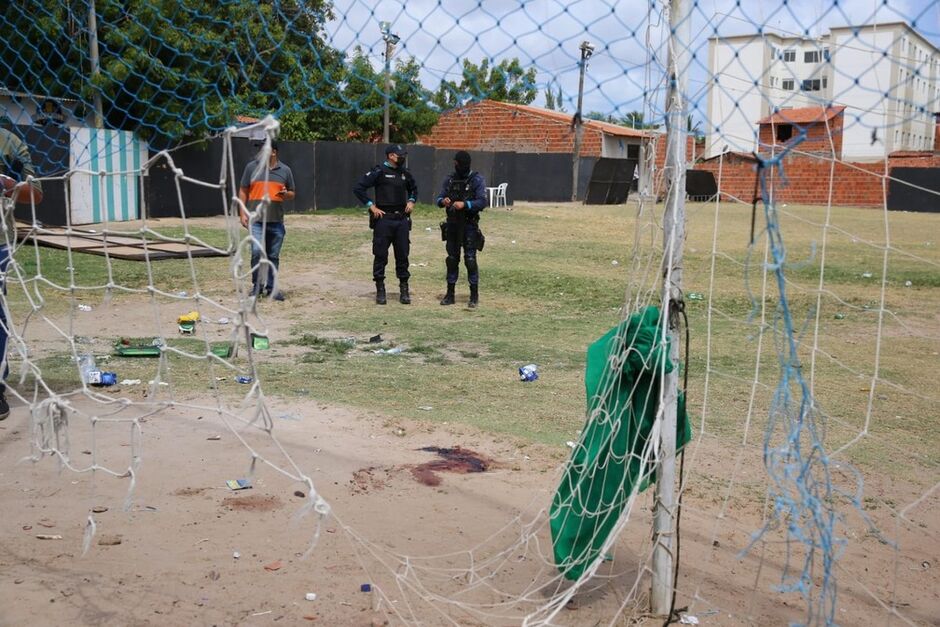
271,236
4,334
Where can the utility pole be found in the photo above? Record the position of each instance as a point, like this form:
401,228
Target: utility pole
390,39
95,65
587,49
661,593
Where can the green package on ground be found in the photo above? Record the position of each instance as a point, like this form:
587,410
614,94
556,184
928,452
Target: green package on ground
260,342
622,379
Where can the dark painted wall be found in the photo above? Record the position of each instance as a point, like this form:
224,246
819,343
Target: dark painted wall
903,197
325,173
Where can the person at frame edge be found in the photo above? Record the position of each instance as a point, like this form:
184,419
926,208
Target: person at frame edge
390,218
463,196
265,189
15,167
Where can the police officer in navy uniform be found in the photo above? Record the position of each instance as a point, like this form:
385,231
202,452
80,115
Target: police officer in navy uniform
463,196
390,218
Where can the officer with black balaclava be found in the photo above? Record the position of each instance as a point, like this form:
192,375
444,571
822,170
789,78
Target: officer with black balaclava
389,218
463,197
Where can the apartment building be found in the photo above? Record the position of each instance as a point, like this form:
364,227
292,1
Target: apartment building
887,76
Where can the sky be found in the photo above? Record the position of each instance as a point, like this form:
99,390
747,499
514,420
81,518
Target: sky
627,35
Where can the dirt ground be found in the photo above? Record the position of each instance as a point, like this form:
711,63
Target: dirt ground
190,551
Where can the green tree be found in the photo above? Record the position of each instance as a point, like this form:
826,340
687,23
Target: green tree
506,81
554,101
410,115
635,119
174,68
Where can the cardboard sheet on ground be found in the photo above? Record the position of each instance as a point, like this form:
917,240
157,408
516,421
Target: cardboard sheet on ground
108,244
622,379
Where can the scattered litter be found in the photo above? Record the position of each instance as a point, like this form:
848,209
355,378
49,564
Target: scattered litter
262,613
425,408
45,522
528,373
192,316
908,284
696,296
351,341
688,619
571,444
130,382
375,339
151,382
110,540
213,438
311,596
614,262
260,342
182,294
299,494
866,275
366,587
427,228
608,557
513,241
201,541
839,316
83,307
389,351
99,509
238,484
289,417
147,508
236,554
243,379
399,431
223,320
44,536
27,527
273,566
330,530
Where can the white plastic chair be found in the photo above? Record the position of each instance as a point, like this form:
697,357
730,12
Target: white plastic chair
500,196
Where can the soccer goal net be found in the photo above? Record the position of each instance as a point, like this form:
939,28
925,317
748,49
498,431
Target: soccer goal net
759,442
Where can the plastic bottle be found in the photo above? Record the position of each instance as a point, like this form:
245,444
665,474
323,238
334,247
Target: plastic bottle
86,366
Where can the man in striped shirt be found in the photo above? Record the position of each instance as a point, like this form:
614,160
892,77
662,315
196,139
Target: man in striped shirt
264,187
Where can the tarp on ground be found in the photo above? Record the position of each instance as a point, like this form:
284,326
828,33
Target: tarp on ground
622,379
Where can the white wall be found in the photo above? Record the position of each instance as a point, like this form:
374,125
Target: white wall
894,95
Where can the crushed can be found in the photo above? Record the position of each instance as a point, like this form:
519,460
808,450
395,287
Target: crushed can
243,379
528,373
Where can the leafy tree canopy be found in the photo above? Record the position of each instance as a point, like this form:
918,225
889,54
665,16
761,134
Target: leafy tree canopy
506,81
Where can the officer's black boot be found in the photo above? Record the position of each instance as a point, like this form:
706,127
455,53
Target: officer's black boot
403,296
380,293
449,296
474,296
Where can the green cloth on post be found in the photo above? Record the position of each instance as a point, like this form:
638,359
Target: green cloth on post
622,379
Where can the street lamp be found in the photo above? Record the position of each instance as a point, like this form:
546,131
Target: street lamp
587,49
390,39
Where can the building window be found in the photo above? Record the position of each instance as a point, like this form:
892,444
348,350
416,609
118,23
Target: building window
825,82
789,56
787,84
633,151
826,54
810,84
784,132
811,56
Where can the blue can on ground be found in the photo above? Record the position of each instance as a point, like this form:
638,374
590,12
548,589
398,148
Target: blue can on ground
528,373
243,379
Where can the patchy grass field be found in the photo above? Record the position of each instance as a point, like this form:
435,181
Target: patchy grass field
553,279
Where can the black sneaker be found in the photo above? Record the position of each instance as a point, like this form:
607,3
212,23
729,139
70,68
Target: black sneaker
4,406
278,296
